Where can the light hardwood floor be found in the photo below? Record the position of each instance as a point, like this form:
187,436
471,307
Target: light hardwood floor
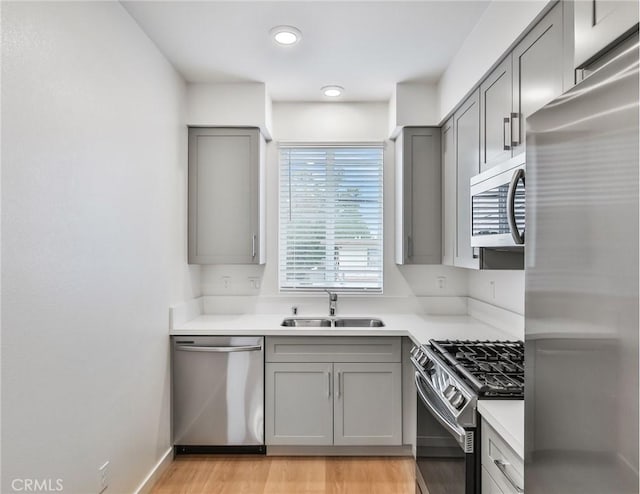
287,475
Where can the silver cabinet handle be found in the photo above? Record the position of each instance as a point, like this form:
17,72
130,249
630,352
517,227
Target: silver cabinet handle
502,466
253,245
518,237
219,349
339,384
328,384
506,134
515,124
409,246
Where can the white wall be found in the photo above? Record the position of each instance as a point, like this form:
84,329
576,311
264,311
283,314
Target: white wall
497,29
228,105
501,288
332,122
413,104
94,243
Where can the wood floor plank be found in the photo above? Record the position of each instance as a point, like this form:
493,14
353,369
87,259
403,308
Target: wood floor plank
287,475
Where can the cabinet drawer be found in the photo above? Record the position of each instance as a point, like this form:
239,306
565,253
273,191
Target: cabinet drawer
332,349
496,451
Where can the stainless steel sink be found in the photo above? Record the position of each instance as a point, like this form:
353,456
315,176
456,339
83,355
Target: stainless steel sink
357,322
306,322
341,322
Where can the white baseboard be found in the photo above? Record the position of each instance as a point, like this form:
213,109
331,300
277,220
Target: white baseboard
155,473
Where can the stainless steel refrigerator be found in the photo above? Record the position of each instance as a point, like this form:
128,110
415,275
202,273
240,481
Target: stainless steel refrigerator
581,302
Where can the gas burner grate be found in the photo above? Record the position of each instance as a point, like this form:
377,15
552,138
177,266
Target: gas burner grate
494,369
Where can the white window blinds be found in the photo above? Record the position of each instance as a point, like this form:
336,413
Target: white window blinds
331,217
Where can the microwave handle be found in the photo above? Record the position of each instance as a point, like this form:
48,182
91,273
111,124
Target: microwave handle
518,237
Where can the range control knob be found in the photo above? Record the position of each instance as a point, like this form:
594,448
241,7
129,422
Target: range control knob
450,391
423,360
430,367
457,400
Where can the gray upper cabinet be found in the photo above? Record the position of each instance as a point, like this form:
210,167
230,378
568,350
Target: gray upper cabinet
496,103
538,69
448,194
598,23
418,196
528,78
466,127
226,196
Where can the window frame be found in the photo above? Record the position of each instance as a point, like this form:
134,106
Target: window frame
331,145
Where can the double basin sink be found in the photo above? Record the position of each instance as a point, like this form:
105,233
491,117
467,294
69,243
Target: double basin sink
332,322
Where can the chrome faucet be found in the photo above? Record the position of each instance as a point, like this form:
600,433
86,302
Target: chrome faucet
333,302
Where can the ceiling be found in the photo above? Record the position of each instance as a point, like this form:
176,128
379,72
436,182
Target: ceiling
365,46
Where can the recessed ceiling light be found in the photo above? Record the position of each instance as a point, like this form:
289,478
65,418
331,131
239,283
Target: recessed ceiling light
332,91
286,35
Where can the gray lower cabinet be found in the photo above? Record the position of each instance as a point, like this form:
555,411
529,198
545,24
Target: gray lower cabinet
418,196
299,403
598,23
226,196
466,128
502,468
332,401
367,404
528,78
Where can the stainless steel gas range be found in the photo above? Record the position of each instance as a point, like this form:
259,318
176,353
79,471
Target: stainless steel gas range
450,378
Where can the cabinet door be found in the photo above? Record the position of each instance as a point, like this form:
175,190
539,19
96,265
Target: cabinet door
466,123
496,106
489,485
537,72
448,194
598,23
419,172
299,404
224,196
367,404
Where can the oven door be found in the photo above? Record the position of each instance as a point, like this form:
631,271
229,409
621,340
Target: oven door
442,465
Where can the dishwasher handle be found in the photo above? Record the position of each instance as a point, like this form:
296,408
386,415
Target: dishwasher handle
219,349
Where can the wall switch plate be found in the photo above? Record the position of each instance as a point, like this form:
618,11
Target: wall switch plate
103,477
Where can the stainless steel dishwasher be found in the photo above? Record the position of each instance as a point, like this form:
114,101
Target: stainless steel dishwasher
218,394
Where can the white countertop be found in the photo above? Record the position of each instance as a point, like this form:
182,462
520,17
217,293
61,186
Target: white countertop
420,328
507,418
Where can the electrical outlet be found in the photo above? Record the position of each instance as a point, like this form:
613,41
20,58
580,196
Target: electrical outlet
226,282
442,282
103,477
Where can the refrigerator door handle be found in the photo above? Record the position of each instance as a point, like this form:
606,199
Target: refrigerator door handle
518,237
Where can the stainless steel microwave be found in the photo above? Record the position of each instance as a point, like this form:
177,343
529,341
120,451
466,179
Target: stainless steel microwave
498,205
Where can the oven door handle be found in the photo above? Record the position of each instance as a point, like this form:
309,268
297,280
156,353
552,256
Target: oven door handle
455,430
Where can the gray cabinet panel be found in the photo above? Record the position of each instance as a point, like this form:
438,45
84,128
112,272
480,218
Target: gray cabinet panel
333,349
418,200
466,121
298,403
225,168
598,23
448,194
537,72
496,104
367,404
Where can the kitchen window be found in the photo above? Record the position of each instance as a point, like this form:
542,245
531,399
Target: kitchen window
331,217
